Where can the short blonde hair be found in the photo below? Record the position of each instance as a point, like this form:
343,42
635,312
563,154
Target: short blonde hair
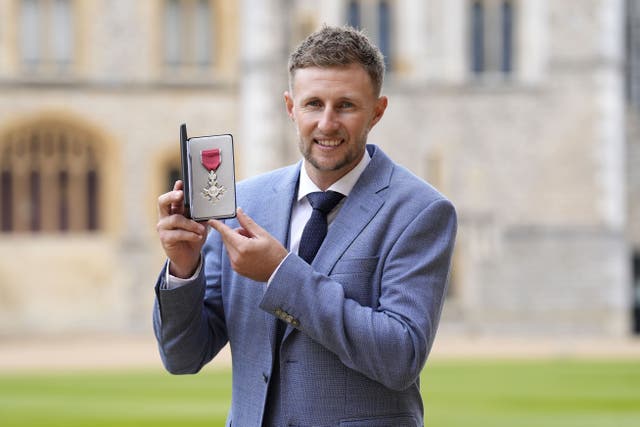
339,46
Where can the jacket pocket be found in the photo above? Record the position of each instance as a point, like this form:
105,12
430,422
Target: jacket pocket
355,266
388,421
356,275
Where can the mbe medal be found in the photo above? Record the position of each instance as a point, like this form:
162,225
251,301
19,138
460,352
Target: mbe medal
209,181
211,160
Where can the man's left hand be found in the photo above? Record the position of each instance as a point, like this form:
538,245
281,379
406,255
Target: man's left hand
253,252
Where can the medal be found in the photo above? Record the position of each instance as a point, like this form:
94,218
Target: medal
211,160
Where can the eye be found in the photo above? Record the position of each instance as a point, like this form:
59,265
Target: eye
346,104
314,103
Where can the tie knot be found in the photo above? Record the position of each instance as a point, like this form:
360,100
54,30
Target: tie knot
324,201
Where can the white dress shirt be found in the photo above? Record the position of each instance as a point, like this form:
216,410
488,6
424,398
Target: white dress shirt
301,211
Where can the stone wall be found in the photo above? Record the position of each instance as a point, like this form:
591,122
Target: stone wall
534,163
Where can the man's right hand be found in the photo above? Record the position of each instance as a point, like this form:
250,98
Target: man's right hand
181,238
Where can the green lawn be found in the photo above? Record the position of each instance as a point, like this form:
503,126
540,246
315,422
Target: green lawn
461,393
546,393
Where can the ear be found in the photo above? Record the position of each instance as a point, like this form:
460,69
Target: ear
288,101
378,110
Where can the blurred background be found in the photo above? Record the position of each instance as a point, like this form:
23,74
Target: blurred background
525,113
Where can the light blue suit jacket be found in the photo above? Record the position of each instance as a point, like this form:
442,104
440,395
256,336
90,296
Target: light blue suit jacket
362,318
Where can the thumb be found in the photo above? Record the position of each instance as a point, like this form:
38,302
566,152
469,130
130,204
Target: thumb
249,224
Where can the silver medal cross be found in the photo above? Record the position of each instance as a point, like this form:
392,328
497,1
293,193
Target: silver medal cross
213,192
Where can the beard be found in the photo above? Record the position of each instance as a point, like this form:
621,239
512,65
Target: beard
352,154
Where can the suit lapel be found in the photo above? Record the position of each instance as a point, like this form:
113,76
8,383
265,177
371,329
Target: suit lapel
363,203
276,215
276,219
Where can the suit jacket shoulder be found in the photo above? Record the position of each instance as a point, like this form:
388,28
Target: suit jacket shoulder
276,180
395,183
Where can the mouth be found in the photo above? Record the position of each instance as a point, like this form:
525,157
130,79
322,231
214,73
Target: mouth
328,143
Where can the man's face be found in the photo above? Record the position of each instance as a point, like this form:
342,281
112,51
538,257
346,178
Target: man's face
334,109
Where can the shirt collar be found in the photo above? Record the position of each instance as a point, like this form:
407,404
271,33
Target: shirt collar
343,186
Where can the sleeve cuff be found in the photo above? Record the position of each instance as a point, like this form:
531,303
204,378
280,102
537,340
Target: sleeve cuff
274,271
173,282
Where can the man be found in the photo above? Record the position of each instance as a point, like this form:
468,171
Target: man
337,337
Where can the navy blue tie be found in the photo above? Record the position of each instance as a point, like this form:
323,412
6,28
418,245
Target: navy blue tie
312,236
316,229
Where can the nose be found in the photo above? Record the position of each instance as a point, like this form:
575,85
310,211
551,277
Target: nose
328,122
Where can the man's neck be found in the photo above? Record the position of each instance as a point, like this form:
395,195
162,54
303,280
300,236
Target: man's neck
342,182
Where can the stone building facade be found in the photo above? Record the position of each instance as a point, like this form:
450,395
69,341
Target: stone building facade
522,112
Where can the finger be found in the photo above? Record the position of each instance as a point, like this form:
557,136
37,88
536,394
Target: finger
168,203
241,231
233,239
182,223
178,207
225,231
249,224
172,237
179,222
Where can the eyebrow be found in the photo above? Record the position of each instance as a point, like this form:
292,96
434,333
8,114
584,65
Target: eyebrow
349,97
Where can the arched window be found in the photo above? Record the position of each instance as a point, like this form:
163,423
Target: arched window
49,180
